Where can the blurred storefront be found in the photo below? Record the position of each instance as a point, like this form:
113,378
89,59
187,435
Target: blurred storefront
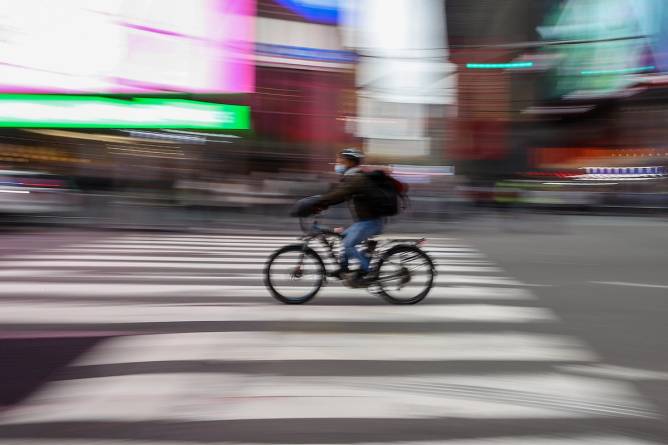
531,90
568,75
486,38
600,101
305,86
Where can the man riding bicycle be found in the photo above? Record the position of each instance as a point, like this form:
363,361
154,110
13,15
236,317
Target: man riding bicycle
354,188
401,272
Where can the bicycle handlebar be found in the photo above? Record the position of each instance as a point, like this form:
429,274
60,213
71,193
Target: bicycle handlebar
317,229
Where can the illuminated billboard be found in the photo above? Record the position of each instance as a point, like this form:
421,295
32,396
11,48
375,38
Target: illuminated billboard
610,41
323,11
126,46
66,111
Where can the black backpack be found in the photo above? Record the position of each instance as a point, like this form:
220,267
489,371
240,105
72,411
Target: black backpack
386,195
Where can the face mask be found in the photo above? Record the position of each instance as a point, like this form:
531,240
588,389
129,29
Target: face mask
340,169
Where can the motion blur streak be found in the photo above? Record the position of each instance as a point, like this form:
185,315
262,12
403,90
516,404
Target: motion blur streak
151,152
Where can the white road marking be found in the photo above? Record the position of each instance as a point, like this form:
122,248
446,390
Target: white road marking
231,243
253,268
71,312
217,291
259,257
194,248
172,261
132,256
260,253
208,238
273,346
221,278
168,396
30,273
252,239
178,264
218,249
616,372
623,283
227,396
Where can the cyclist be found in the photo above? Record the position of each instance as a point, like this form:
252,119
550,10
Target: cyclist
354,188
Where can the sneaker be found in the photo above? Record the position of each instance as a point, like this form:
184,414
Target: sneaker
358,278
339,274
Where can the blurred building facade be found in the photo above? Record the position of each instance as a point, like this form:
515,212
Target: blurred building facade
405,83
554,87
514,89
305,87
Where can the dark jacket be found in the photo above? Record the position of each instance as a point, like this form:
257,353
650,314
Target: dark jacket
354,189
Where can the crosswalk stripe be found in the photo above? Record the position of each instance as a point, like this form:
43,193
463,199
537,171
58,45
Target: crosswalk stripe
263,346
384,237
205,246
483,313
443,279
235,262
111,289
28,273
202,259
268,244
266,240
177,264
208,238
107,313
256,278
255,252
194,247
265,250
196,238
217,247
522,396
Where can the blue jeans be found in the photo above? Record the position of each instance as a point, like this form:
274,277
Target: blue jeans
355,234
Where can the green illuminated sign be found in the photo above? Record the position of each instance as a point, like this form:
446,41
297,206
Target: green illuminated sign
489,66
60,111
639,69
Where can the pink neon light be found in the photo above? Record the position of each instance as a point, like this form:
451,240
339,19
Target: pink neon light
126,46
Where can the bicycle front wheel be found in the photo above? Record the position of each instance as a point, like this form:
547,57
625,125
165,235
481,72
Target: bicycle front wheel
405,275
294,274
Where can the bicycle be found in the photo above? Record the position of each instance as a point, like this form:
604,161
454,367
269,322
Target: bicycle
397,264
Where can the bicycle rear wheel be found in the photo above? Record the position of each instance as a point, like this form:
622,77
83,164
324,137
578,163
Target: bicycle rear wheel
405,275
294,274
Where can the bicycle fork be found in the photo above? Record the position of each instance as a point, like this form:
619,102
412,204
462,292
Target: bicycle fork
298,271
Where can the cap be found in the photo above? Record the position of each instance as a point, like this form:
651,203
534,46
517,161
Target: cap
352,153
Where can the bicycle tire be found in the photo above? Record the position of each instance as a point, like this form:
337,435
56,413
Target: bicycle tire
307,252
405,248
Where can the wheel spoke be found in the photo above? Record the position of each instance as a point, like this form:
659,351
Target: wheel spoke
294,274
405,275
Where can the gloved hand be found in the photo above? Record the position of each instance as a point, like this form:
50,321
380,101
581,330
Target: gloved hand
306,207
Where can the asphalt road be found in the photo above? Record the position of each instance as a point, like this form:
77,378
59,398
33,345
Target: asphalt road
607,279
540,330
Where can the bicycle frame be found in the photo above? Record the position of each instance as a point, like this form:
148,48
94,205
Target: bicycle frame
398,253
318,233
322,234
